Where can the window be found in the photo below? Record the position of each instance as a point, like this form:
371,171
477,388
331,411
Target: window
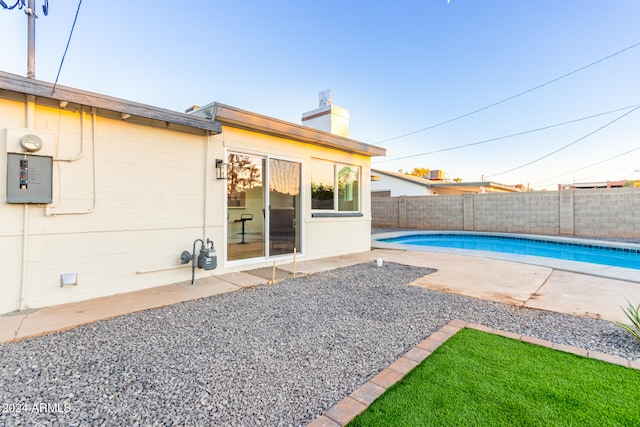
348,188
325,178
322,184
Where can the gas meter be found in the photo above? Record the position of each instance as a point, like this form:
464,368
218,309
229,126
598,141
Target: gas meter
207,258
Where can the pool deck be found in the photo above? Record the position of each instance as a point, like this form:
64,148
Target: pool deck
600,270
506,281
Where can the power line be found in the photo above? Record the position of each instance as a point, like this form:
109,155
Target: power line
66,48
605,173
511,97
587,167
507,136
566,146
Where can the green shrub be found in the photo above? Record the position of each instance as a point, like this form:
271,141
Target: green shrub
633,314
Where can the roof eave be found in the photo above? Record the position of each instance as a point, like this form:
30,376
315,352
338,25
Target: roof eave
46,91
235,117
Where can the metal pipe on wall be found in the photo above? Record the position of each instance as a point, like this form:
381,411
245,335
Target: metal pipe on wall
30,113
48,209
82,140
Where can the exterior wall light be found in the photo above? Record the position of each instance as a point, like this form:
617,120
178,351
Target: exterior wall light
221,169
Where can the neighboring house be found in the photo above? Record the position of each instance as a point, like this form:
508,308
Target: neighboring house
391,184
107,193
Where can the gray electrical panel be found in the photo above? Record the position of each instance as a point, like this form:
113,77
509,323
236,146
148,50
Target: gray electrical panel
29,178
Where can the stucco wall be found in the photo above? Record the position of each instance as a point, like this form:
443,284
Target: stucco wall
129,198
588,213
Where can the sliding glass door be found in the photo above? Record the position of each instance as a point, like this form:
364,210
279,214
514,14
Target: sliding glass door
245,206
284,206
253,231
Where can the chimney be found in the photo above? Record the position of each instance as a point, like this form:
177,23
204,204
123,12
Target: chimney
328,117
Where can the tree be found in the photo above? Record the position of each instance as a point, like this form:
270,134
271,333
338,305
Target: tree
420,172
242,175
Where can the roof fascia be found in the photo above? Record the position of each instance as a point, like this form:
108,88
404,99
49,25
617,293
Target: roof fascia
45,90
235,117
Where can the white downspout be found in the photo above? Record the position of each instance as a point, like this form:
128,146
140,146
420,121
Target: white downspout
30,112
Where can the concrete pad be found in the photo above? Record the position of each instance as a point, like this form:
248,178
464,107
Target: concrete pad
326,264
586,295
242,279
268,273
488,279
9,325
65,316
208,286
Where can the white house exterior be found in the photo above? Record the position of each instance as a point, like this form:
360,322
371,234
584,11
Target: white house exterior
391,184
114,191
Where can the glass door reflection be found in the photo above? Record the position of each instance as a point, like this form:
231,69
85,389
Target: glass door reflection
245,206
284,206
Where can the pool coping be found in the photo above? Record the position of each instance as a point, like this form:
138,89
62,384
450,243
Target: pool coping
348,408
599,270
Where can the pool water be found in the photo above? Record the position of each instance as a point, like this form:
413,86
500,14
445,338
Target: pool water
592,253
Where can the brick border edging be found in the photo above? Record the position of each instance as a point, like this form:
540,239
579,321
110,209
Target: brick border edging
348,408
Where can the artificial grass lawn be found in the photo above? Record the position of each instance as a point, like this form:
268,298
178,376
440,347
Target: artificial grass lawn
477,378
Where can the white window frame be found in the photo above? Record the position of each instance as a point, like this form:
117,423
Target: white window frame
336,193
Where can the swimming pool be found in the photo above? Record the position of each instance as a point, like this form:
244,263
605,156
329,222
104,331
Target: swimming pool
586,251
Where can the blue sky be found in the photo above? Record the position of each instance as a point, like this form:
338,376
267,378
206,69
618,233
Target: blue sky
398,67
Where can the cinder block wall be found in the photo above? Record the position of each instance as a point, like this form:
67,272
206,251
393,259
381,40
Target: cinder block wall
436,213
384,212
610,213
588,213
532,212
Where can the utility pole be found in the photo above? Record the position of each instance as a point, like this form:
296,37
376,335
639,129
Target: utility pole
31,37
30,11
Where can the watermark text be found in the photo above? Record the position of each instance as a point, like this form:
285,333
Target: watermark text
39,407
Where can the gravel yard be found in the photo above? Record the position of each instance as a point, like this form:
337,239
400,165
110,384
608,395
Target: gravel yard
269,355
